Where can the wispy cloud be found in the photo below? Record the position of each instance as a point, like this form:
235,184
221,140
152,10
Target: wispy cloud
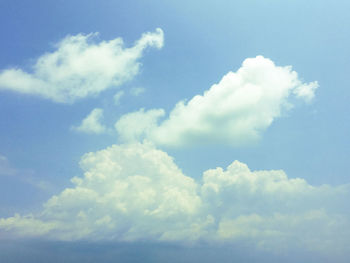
117,97
80,67
25,176
137,91
5,167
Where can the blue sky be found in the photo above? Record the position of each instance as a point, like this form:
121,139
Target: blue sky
156,83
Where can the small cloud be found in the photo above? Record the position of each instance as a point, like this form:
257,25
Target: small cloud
5,168
92,123
80,67
117,97
306,91
137,91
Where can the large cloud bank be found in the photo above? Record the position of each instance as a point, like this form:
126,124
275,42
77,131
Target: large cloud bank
234,111
136,192
80,67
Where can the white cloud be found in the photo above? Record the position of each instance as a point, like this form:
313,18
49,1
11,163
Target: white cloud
5,167
136,192
92,123
306,91
80,67
137,91
128,192
237,109
313,230
26,225
117,97
137,125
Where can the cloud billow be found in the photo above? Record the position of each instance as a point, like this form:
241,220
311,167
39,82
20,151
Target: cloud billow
235,111
136,192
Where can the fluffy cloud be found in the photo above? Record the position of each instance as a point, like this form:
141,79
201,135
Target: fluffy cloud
306,91
92,123
236,110
137,125
80,67
275,212
136,192
128,192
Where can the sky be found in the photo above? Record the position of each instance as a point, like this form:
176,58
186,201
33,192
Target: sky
174,131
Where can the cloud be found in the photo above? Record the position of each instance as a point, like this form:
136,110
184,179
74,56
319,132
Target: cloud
274,212
92,123
306,91
136,192
117,97
80,67
137,91
5,167
236,110
135,126
128,192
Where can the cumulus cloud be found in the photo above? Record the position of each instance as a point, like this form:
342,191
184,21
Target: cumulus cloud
306,91
137,125
275,212
92,123
137,192
128,192
237,109
80,67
